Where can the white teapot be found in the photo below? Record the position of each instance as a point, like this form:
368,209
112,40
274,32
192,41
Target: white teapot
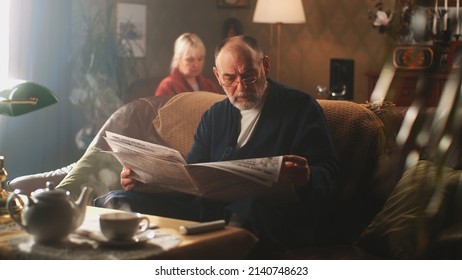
50,215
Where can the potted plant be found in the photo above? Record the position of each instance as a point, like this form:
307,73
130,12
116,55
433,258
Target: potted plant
103,67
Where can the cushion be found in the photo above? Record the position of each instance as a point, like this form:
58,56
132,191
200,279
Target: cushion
170,122
95,169
414,212
101,170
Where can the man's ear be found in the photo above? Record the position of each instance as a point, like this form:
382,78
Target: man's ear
215,71
266,65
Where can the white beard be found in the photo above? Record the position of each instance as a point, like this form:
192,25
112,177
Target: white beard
255,100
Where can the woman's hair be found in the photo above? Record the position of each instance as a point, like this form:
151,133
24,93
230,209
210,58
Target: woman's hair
186,43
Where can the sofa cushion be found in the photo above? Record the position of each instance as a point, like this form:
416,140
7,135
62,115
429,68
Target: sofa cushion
101,170
177,120
413,213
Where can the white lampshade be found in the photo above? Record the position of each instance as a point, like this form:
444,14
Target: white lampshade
279,11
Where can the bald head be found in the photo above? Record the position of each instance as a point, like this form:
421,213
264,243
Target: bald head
241,44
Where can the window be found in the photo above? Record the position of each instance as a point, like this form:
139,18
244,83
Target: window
4,38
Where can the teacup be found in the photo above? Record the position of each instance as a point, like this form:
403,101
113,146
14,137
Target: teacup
122,225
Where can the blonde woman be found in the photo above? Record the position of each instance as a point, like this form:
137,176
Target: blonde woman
186,68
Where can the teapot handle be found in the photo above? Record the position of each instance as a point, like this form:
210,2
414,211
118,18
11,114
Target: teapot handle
13,201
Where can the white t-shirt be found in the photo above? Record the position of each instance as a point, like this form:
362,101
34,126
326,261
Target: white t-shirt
249,119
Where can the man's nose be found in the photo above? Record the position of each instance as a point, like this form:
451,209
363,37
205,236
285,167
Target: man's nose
241,84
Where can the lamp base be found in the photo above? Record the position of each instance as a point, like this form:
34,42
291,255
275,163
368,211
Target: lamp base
18,204
17,207
5,219
4,215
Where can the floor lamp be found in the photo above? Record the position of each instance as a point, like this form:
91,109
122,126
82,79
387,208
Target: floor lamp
279,12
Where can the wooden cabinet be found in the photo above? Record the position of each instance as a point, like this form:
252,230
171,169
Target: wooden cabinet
403,89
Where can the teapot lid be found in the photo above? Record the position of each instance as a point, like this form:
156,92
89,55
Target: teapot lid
49,192
45,193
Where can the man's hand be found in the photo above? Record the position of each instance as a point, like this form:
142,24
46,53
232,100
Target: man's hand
294,170
126,181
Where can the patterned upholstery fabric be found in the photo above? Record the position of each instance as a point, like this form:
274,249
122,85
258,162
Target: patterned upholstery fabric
358,137
177,120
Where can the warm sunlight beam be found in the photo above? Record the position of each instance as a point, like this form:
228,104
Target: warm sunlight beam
5,39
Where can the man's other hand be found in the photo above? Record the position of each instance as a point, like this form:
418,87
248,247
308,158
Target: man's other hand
294,170
126,181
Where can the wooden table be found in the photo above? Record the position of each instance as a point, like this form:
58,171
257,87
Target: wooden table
169,243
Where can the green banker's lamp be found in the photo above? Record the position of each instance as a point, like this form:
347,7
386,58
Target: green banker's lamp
24,98
20,99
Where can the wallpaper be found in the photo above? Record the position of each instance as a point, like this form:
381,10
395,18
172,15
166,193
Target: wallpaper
334,29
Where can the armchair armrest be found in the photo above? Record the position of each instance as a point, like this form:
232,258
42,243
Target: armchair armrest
29,183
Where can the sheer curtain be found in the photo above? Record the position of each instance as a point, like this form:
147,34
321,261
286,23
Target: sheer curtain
4,32
40,47
4,55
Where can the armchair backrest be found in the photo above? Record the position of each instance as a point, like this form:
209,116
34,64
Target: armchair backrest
359,138
177,120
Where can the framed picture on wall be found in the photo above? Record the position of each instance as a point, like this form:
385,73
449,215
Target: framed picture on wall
131,28
455,55
233,3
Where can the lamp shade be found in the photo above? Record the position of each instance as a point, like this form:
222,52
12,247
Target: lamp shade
24,98
279,11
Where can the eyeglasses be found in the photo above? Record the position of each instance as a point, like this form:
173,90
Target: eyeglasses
232,83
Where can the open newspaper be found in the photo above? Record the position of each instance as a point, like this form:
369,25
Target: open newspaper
164,169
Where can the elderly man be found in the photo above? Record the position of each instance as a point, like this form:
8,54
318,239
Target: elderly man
259,118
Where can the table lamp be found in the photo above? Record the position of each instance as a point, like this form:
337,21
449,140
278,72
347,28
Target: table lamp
279,12
25,97
17,100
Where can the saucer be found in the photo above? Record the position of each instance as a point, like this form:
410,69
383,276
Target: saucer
137,240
